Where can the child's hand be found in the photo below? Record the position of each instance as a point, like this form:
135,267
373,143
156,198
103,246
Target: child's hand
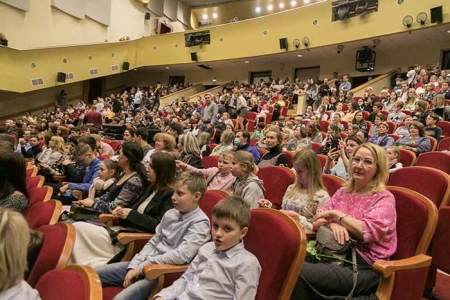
131,277
291,214
265,203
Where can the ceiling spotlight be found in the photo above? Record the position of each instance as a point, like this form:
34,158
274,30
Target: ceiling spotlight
340,48
269,7
296,43
214,15
306,1
281,5
376,43
247,62
299,55
167,68
293,3
205,16
258,9
407,21
421,18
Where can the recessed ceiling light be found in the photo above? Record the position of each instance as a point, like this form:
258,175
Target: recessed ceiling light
247,62
281,5
214,15
258,9
306,1
299,55
293,3
167,68
269,7
448,31
205,16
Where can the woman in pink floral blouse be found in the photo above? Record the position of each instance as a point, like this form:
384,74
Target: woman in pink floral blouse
364,210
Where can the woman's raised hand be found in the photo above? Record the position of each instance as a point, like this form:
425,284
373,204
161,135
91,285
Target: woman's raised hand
265,203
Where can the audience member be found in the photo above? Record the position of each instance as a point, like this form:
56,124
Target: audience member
13,191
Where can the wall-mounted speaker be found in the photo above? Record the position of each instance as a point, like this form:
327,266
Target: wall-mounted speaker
194,56
283,43
147,16
61,77
126,66
436,14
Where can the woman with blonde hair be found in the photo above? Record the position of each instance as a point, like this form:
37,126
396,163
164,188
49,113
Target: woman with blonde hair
307,194
190,151
440,108
411,99
203,142
14,239
54,152
226,143
247,185
364,210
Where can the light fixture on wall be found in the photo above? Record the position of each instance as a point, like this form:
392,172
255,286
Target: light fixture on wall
407,21
296,43
305,41
376,43
340,49
421,18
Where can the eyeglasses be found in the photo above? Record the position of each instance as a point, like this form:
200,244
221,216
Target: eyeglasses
368,163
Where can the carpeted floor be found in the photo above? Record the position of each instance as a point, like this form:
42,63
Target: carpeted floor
442,289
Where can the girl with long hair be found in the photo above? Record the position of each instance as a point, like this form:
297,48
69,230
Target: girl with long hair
13,191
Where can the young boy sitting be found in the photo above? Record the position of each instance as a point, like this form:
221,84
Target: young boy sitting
178,237
222,269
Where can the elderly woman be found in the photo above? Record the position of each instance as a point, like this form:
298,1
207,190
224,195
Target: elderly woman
164,142
416,141
190,151
364,210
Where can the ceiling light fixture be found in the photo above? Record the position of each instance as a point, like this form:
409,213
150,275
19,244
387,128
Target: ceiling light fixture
299,55
205,16
407,21
167,68
269,7
281,5
421,18
258,9
306,1
214,15
305,41
296,43
247,62
293,3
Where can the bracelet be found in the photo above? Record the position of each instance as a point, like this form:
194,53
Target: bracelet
340,219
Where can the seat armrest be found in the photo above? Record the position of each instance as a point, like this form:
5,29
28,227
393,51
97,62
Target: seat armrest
154,271
386,268
127,237
105,218
59,178
310,234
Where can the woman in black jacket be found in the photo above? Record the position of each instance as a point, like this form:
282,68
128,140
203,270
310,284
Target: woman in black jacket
93,244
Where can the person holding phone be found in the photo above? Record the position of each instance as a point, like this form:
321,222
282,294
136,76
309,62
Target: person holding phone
341,151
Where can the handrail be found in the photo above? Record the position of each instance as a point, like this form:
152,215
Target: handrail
193,98
181,91
371,82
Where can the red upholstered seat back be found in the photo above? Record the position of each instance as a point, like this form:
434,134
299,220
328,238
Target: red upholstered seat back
275,244
445,126
429,182
40,214
276,181
405,284
114,144
32,182
210,161
37,194
55,251
444,144
209,200
412,218
290,158
436,160
332,183
407,158
61,284
440,247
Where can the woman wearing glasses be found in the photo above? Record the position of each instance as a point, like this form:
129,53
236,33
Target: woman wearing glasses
364,210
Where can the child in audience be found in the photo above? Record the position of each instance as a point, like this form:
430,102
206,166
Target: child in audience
302,199
217,178
431,129
352,129
225,269
247,185
396,115
403,131
168,246
258,134
14,239
393,154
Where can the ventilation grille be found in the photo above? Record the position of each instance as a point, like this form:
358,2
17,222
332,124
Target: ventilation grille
115,67
204,67
93,71
37,81
69,76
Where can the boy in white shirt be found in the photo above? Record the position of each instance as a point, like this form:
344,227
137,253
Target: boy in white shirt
222,269
397,115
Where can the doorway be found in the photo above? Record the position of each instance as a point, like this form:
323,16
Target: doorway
303,74
176,80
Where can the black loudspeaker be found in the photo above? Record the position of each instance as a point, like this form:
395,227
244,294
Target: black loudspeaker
283,43
436,14
126,66
61,77
194,56
147,16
